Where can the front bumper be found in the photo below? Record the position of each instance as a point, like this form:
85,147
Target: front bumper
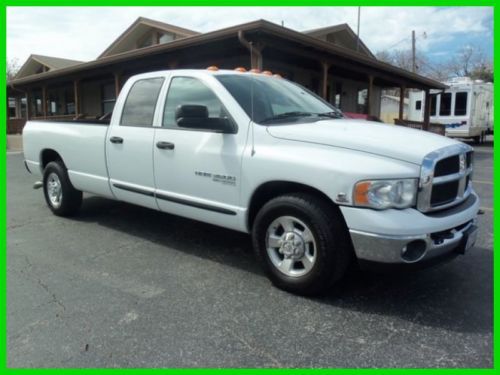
415,236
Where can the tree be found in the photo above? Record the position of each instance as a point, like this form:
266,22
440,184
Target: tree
12,68
468,61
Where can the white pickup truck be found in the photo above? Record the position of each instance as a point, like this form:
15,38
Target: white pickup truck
259,154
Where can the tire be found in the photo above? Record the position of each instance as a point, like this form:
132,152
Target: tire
61,197
314,230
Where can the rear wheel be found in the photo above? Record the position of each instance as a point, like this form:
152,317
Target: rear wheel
303,243
61,197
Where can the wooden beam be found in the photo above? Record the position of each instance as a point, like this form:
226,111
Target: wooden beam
28,105
402,90
324,82
44,101
369,96
117,84
427,110
76,88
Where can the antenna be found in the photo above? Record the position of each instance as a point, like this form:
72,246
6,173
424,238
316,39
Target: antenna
251,101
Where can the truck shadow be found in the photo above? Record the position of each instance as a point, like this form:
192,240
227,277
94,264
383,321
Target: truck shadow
457,296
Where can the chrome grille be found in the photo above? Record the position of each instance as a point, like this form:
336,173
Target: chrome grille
445,178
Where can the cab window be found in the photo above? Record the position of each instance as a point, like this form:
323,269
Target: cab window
141,101
190,91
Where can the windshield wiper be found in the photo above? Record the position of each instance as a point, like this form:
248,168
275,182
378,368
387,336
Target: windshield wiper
286,115
332,114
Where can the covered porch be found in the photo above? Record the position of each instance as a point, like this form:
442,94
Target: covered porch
349,80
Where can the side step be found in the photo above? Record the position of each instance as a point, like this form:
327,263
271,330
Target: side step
37,185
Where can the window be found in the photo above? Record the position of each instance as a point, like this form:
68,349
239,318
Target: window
140,105
186,90
460,104
445,104
164,38
108,97
418,105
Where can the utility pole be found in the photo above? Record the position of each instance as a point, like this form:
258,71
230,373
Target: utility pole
413,56
359,17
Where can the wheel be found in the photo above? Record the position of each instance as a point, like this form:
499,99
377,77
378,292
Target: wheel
303,243
61,197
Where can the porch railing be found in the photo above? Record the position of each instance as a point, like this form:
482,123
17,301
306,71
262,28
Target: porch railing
433,126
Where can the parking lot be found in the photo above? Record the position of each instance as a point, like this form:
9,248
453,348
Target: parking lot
124,286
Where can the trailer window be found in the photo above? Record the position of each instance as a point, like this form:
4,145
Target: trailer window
445,104
460,103
140,105
418,105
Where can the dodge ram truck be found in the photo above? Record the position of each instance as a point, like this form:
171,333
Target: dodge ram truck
259,154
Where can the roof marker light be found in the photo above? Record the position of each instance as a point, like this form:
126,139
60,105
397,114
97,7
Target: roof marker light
277,76
254,70
267,73
213,68
240,69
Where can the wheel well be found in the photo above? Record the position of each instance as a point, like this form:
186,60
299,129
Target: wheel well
47,156
273,189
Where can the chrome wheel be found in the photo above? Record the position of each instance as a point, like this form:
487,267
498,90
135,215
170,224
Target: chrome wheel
291,246
54,190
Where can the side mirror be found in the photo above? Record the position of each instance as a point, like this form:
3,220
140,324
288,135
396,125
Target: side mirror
193,116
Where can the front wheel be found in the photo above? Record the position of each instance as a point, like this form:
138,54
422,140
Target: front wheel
61,197
303,243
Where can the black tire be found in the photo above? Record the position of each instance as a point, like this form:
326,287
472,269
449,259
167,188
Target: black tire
332,242
70,199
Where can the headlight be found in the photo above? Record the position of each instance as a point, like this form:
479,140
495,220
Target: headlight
382,194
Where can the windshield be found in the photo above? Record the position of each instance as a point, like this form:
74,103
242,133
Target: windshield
276,100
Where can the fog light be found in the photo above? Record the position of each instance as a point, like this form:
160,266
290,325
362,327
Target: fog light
414,251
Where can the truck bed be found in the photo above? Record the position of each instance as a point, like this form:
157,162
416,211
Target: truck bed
80,143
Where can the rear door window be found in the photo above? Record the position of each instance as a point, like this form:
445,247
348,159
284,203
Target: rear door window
141,101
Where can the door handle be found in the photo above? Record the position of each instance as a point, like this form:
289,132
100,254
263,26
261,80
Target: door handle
165,145
116,140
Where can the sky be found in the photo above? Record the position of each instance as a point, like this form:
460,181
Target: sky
82,33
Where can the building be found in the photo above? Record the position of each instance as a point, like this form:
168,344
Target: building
329,61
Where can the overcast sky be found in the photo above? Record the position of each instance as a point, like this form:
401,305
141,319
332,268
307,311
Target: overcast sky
82,33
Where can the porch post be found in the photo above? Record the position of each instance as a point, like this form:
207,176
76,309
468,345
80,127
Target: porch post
28,105
117,84
369,97
402,89
427,110
324,82
76,88
44,101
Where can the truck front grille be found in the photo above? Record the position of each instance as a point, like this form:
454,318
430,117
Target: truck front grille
445,178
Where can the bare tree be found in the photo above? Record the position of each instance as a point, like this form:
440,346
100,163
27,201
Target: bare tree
12,68
468,61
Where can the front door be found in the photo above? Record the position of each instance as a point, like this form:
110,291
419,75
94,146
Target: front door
197,171
129,145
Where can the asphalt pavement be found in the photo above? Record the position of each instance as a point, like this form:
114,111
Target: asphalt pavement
124,286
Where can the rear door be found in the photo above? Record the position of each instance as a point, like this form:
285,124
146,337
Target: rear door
129,143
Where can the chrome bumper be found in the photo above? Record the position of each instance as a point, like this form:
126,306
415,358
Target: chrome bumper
412,249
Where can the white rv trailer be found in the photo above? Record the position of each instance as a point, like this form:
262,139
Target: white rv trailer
466,108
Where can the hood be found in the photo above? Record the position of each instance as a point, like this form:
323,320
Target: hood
392,141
